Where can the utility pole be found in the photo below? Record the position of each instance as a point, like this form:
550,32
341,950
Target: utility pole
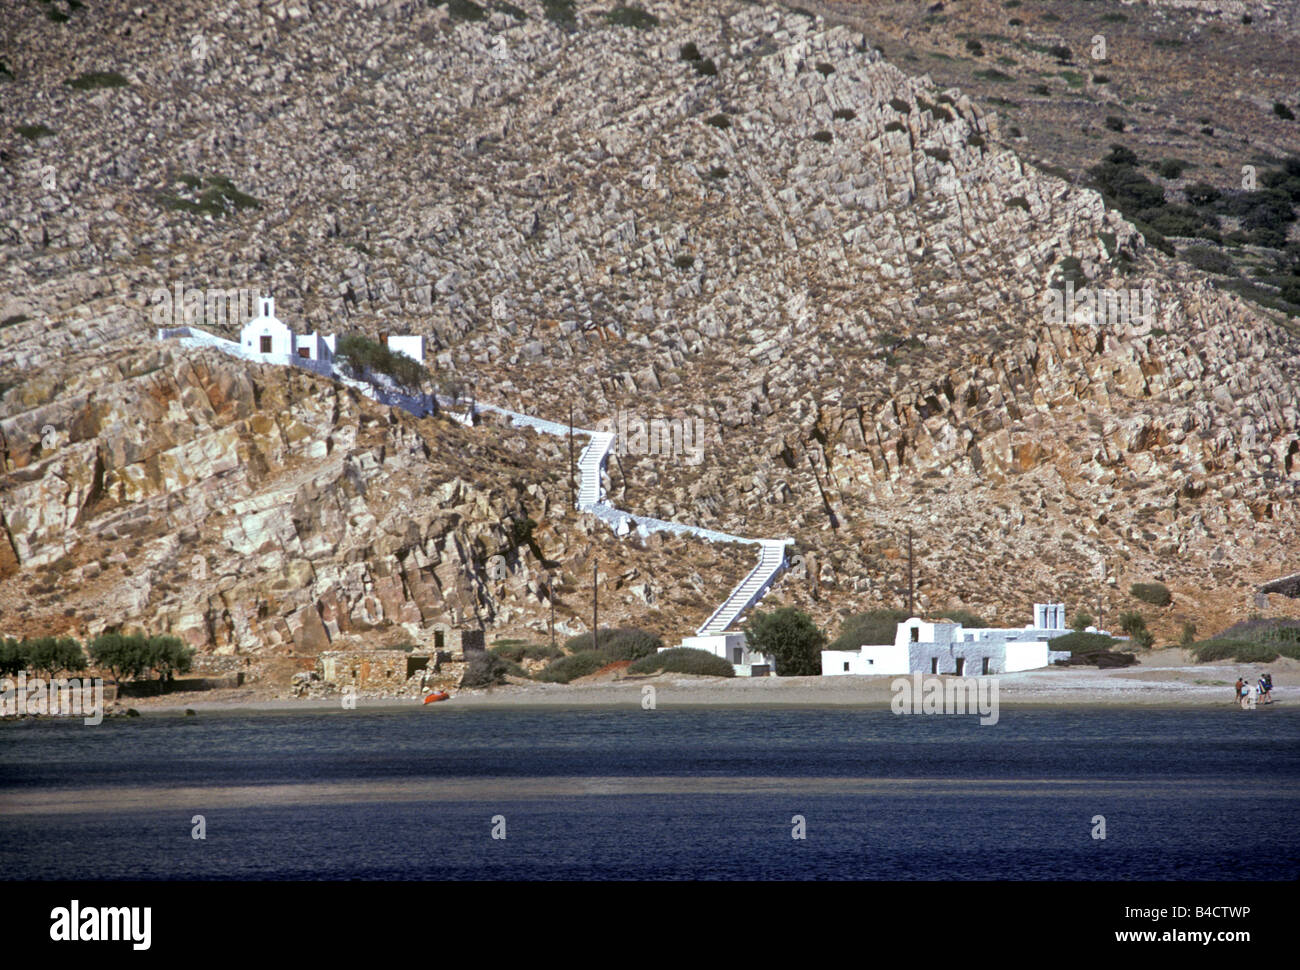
911,587
550,595
595,624
573,498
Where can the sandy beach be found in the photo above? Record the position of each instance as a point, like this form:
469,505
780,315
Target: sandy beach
1164,678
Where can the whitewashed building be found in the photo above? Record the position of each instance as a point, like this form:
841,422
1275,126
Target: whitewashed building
949,648
266,336
733,648
409,346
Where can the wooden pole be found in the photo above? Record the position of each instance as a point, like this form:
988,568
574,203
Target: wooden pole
573,498
550,594
595,616
911,587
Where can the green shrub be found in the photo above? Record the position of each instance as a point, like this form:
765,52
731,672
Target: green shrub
33,132
484,670
1082,643
1276,630
1114,123
1283,112
364,354
1189,634
167,656
720,121
1209,260
510,9
898,104
128,656
872,628
718,172
565,669
517,651
683,660
939,154
689,51
1242,651
1018,202
560,12
1172,168
1175,220
1136,627
1082,621
823,136
616,643
465,10
12,658
894,126
1202,193
790,637
844,114
218,197
93,80
47,655
1157,594
706,67
825,69
1122,155
965,617
632,17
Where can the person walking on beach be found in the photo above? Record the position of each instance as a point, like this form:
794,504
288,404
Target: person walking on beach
1236,697
1266,687
1247,697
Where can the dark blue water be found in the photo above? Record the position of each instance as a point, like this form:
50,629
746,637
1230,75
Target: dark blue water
631,794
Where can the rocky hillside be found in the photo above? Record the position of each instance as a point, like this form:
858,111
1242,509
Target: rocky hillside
743,217
264,514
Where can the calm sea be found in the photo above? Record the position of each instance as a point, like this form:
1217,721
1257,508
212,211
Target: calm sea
667,794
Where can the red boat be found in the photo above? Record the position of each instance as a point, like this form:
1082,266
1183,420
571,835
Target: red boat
437,695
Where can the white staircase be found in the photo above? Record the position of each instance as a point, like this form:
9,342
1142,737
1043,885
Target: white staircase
771,560
590,464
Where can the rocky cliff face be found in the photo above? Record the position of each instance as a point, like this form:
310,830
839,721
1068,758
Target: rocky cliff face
264,514
835,271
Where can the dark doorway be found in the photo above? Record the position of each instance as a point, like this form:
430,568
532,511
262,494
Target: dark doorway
934,665
986,666
961,666
265,344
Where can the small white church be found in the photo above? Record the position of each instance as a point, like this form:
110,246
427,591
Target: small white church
265,335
